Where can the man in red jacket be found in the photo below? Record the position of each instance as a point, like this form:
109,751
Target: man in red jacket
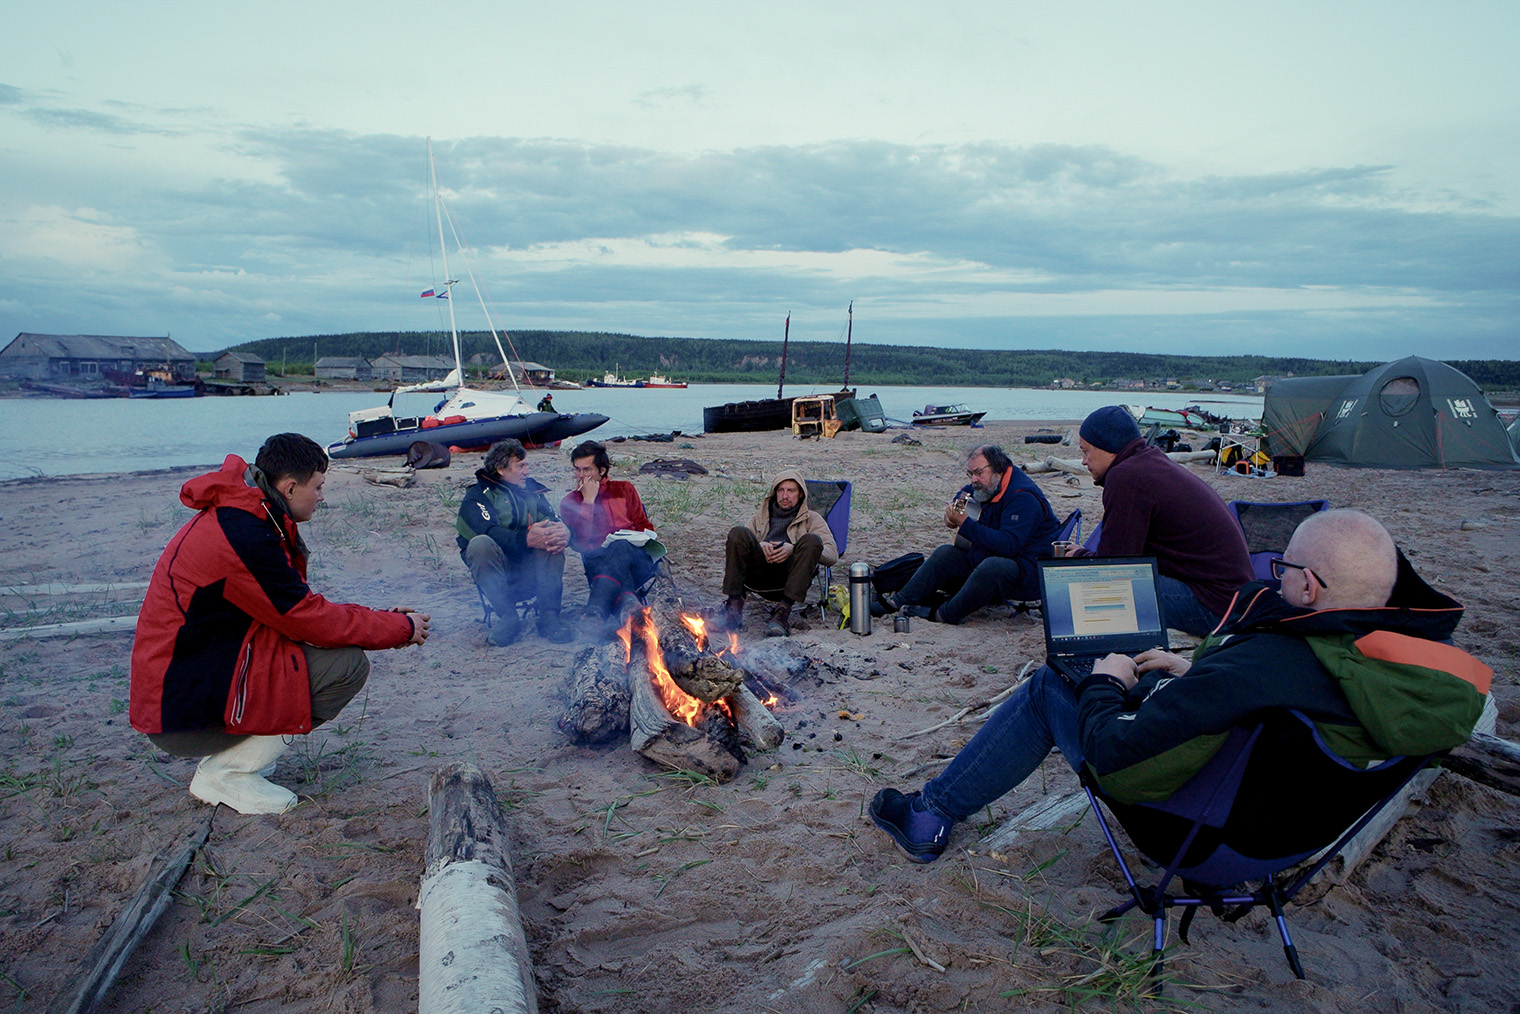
234,652
615,568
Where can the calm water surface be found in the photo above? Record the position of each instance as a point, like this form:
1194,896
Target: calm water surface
45,436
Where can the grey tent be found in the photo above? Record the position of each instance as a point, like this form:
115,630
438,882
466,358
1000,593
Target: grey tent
1414,413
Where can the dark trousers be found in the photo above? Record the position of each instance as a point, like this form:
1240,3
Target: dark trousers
336,675
948,572
745,566
614,571
539,576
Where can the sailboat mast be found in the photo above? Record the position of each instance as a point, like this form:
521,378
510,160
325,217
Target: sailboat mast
786,336
443,247
849,331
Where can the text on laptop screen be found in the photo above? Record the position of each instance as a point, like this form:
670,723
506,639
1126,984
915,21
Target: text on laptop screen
1101,601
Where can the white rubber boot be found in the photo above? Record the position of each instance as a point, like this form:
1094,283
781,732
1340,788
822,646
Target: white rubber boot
232,777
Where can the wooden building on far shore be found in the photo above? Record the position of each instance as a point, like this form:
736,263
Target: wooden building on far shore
87,356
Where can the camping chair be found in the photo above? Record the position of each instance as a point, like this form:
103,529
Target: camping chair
1091,544
1268,527
831,498
655,550
1228,825
1070,531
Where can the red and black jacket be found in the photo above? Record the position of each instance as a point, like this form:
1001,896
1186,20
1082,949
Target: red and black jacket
228,607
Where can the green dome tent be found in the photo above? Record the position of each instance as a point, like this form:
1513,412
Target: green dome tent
1414,413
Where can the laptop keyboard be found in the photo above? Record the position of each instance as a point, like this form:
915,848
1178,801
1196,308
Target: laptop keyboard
1081,668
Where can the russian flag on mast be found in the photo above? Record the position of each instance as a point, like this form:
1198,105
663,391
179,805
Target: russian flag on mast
435,294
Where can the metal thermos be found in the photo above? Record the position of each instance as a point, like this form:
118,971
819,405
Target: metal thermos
860,598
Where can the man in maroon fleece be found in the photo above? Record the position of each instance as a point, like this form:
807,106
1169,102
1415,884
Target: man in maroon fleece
1152,506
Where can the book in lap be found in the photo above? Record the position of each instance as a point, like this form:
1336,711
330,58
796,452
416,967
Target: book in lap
1095,605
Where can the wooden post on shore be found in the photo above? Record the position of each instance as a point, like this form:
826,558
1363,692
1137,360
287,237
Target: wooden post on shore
473,955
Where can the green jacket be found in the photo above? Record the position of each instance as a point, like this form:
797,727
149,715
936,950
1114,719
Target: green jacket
502,511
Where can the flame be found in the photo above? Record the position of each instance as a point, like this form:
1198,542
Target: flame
771,701
681,705
698,628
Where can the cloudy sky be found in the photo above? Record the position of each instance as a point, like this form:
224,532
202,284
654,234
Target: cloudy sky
1335,180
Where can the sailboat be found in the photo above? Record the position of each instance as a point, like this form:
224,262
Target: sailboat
468,418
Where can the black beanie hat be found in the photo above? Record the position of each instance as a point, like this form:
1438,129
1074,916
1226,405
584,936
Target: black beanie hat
1110,428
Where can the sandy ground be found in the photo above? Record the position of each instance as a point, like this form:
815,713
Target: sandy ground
643,892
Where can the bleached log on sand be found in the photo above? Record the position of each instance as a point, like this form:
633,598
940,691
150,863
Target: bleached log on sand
596,708
1488,760
473,955
104,625
1066,465
1059,809
757,726
104,961
673,744
1184,457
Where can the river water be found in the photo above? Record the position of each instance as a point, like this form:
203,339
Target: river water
46,436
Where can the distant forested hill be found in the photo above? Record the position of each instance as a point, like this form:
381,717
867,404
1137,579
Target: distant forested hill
576,355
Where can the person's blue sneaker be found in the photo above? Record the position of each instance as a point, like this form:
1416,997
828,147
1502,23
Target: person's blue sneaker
920,833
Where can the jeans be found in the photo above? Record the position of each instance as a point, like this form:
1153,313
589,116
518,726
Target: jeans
1041,714
1181,610
613,571
538,576
948,570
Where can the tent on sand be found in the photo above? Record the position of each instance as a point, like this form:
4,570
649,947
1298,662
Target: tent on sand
1413,413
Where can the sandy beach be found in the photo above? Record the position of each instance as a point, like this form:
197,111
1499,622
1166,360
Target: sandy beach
643,892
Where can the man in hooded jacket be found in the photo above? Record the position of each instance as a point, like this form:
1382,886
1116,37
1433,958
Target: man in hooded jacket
234,652
784,543
1355,641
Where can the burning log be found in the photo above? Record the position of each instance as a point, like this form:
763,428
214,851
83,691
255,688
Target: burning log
597,696
756,725
700,673
674,744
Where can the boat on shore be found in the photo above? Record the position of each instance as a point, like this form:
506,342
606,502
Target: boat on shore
468,418
946,415
764,413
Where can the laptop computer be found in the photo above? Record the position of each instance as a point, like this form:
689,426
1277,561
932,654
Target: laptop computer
1095,605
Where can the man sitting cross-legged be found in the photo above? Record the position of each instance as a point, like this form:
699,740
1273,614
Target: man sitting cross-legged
1144,726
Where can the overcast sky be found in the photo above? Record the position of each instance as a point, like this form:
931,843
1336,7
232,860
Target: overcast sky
1333,180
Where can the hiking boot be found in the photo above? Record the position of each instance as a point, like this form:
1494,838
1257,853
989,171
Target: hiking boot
923,613
552,628
506,629
920,833
733,613
780,624
882,604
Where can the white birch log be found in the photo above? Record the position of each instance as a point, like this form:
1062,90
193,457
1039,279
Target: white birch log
473,955
104,625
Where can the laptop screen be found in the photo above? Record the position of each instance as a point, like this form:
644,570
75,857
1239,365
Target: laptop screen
1097,604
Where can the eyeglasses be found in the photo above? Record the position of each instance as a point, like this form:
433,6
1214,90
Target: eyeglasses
1281,566
972,473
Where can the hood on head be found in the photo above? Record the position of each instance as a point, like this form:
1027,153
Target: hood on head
796,477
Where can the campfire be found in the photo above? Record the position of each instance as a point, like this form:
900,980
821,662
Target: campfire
682,704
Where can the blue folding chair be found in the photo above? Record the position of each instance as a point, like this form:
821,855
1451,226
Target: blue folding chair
831,498
1270,799
1268,527
1091,545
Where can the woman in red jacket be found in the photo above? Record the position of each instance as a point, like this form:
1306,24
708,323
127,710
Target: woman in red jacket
234,652
598,506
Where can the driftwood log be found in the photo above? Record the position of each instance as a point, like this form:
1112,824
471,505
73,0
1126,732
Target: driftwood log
597,696
104,961
701,674
473,955
756,725
668,741
1488,760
